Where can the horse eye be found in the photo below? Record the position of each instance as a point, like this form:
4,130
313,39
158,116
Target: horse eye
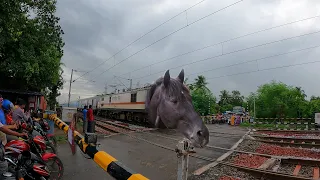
174,101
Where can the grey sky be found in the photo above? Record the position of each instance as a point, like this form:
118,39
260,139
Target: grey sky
96,29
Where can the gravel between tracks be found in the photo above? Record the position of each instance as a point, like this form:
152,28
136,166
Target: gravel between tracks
286,168
306,171
252,146
219,171
249,146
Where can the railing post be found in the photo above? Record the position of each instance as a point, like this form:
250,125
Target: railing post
184,148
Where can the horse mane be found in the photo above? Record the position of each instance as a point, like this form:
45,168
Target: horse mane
152,90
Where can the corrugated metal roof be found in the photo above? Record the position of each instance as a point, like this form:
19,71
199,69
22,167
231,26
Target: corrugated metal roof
21,92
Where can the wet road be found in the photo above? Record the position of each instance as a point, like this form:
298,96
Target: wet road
151,161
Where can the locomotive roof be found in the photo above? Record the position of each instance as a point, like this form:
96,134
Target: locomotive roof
136,89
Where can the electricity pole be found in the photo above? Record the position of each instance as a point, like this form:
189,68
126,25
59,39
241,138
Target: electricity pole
70,88
130,84
106,89
72,81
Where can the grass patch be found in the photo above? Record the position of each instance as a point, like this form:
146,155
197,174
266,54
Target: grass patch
245,124
61,139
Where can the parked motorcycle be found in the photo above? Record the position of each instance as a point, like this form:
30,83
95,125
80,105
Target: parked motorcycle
28,166
40,129
36,146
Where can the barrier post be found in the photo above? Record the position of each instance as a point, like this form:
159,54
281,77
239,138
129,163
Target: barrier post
184,148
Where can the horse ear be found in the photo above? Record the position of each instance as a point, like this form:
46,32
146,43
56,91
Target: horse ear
181,76
166,79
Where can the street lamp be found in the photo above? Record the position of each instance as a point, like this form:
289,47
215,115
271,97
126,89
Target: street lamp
72,81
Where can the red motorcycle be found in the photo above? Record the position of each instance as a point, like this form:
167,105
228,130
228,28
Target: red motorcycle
41,127
28,166
37,146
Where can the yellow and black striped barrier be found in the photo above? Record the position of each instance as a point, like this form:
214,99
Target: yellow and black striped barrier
103,159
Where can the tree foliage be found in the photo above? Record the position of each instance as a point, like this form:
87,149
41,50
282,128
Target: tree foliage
203,100
274,99
229,100
53,92
277,99
30,45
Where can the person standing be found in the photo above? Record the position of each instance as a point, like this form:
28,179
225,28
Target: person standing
90,120
84,119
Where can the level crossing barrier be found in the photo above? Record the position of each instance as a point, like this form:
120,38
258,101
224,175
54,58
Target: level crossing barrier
286,124
103,159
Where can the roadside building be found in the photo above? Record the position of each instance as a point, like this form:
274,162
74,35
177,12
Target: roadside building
35,100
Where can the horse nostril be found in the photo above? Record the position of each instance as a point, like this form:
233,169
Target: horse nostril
200,133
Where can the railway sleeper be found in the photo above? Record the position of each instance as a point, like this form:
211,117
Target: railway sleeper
265,174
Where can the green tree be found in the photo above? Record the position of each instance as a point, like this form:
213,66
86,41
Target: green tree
224,97
30,44
312,107
314,98
236,98
53,92
250,102
277,99
228,101
200,83
202,98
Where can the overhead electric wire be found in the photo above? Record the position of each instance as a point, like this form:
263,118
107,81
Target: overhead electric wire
231,52
220,43
258,59
125,47
194,22
266,69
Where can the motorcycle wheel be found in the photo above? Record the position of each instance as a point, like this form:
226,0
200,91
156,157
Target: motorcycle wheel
56,173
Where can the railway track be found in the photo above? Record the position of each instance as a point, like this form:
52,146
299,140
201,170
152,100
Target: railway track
289,141
267,174
287,131
276,168
110,129
268,171
141,124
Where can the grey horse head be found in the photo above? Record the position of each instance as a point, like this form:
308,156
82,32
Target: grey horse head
169,105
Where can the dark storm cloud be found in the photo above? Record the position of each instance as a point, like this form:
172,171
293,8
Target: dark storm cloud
96,29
